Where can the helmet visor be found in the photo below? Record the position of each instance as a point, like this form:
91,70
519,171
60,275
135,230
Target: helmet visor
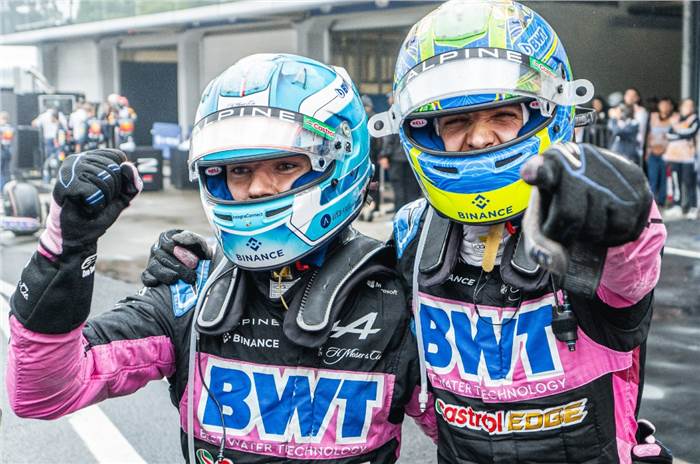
261,179
477,71
231,133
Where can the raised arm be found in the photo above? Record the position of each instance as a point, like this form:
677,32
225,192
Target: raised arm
57,363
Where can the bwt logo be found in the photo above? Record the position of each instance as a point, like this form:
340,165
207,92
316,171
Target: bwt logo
483,352
480,201
254,244
284,403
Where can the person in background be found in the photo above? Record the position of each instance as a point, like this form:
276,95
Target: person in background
393,159
640,114
7,133
375,148
680,154
596,133
624,129
50,122
660,122
77,121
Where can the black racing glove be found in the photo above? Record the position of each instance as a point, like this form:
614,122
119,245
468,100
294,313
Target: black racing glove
175,257
55,290
91,190
589,195
648,448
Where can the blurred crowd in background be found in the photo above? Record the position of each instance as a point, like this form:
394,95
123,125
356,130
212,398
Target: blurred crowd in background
88,126
658,134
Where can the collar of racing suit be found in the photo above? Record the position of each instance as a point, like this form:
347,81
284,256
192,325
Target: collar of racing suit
473,245
314,296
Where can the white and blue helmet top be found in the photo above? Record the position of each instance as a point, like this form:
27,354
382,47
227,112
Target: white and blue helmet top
269,106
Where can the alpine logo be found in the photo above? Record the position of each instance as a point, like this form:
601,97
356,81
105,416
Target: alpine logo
502,422
325,220
362,327
88,266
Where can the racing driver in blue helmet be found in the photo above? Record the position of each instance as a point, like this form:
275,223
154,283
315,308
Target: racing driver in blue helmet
291,342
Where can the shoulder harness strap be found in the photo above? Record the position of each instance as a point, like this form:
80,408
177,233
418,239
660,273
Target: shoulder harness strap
315,308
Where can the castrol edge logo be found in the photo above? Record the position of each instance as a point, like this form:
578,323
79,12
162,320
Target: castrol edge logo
502,422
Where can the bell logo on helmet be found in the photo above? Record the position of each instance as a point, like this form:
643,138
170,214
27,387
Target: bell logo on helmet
342,90
418,123
253,244
213,171
481,201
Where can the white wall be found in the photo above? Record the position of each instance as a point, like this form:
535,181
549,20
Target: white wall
222,50
78,69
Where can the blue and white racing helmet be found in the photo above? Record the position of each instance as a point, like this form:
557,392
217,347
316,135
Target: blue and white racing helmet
277,106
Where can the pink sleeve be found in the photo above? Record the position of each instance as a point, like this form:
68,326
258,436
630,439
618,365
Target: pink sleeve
425,420
632,270
49,376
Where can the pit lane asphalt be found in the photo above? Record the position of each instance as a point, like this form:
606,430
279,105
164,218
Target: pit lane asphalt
149,422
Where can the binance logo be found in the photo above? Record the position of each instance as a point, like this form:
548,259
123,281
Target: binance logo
480,201
253,244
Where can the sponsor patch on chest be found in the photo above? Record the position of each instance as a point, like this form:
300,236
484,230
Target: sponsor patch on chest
513,421
278,404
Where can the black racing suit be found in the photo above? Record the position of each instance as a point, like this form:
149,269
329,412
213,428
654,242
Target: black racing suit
505,389
338,398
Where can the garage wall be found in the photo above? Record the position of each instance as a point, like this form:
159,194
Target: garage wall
78,69
222,50
615,57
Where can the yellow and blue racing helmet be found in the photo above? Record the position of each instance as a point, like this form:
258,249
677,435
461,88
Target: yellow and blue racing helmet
469,56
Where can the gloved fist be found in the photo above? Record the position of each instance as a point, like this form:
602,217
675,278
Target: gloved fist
175,257
589,194
91,190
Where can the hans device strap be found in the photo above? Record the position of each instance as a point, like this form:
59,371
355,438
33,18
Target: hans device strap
309,320
438,257
223,289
